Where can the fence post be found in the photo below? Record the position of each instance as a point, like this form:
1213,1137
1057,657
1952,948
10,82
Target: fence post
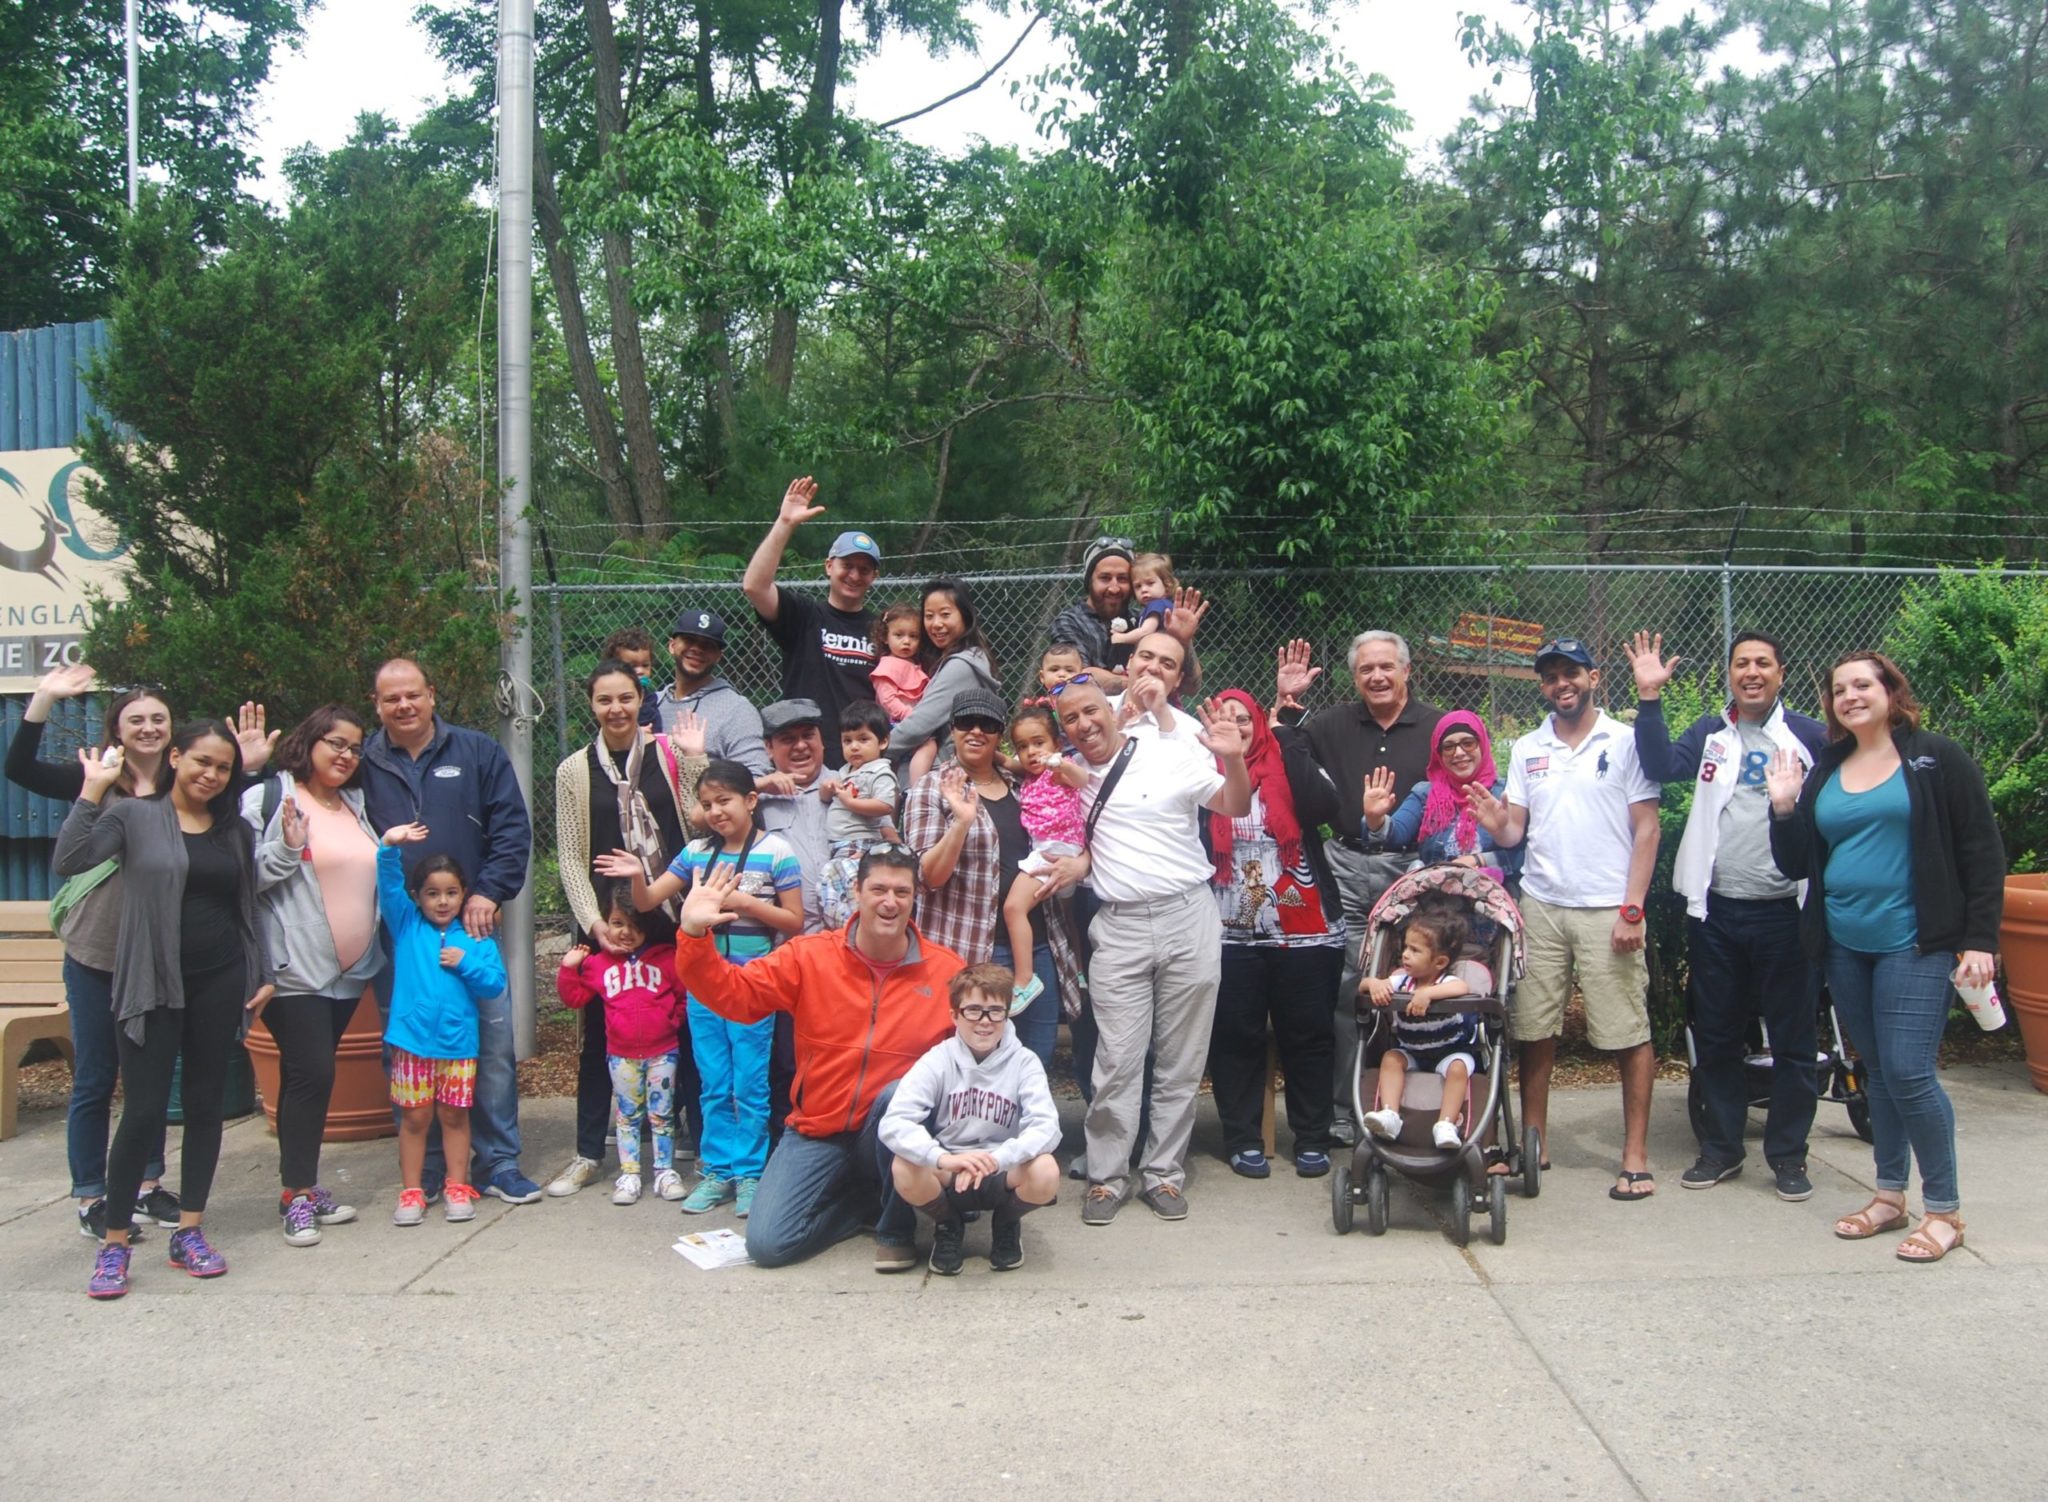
561,693
1727,611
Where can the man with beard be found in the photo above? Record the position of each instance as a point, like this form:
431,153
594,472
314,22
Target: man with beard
732,726
1578,798
827,645
1086,624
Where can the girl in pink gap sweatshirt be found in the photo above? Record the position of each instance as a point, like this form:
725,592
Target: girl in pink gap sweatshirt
636,980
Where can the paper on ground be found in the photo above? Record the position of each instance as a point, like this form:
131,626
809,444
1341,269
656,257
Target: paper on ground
723,1247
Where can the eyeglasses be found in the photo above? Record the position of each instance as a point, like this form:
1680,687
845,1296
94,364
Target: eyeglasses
981,1014
343,750
1451,744
1060,688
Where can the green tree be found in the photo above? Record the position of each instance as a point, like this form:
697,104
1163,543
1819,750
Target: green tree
64,133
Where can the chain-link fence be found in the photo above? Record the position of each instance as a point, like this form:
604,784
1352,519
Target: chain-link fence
1473,631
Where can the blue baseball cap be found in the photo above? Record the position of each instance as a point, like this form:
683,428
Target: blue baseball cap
849,543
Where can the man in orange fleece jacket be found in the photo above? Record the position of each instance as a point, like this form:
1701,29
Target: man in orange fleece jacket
867,1001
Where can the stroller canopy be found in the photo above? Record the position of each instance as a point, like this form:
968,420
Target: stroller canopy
1480,893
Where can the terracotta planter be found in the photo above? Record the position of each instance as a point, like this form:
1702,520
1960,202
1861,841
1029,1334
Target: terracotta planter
2023,947
361,1107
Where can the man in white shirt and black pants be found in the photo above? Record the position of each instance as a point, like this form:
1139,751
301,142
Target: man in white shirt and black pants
1579,799
1157,936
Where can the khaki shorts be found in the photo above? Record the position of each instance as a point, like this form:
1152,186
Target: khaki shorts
1557,941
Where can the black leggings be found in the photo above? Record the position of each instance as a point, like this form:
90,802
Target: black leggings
204,1033
308,1030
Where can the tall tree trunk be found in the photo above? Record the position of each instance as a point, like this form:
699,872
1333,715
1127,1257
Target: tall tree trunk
814,139
636,406
597,414
721,417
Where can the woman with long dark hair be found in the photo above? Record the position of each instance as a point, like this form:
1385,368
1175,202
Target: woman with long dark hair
1893,834
316,881
188,965
960,660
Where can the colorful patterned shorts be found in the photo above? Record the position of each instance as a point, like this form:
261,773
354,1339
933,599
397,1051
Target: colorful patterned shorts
420,1082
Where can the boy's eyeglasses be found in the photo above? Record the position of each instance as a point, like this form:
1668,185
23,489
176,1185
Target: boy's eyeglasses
982,1014
1060,688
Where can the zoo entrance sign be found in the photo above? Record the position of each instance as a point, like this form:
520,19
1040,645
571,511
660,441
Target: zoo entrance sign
55,553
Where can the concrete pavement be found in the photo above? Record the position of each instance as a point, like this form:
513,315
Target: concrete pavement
1717,1344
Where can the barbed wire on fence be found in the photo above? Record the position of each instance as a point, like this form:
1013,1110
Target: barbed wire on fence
1472,630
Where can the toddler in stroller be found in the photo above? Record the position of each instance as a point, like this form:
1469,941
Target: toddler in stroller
1430,971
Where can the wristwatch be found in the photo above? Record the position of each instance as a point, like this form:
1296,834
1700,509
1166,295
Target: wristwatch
1631,912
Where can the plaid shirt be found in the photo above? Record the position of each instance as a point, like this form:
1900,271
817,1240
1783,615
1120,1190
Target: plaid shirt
963,915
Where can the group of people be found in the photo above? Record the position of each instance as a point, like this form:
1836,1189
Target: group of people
834,981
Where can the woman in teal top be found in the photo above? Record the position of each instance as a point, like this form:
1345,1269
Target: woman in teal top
1905,872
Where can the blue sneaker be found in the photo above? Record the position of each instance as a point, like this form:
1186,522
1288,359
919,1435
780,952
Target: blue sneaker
710,1193
1250,1163
1310,1164
743,1197
512,1186
109,1273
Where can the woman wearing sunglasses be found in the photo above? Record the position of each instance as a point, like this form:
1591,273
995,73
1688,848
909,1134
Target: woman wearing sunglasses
320,928
1434,820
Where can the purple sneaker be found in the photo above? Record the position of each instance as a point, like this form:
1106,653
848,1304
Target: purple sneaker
301,1227
109,1273
191,1251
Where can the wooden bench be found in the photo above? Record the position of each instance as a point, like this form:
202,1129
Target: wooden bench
32,1005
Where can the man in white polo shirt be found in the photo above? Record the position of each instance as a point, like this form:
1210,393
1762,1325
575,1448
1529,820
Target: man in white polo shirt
1158,939
1578,797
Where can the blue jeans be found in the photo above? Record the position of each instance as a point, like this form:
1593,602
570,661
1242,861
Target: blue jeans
95,1065
1894,1007
1039,1027
818,1191
494,1118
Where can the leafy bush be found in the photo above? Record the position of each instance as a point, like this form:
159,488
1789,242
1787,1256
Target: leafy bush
1975,645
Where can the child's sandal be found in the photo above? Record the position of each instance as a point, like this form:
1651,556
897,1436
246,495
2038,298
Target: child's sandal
1926,1244
1865,1223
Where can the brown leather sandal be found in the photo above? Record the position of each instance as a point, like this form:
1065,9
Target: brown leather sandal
1926,1244
1865,1223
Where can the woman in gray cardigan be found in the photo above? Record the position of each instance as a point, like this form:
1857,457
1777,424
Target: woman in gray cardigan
316,880
188,962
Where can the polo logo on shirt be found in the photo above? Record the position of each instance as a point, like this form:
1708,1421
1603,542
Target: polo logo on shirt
447,771
1600,766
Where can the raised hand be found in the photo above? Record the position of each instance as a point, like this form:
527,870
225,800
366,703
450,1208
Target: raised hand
67,682
688,735
1486,808
102,768
1292,673
1222,736
1783,780
405,834
574,956
797,507
256,746
292,824
1188,609
704,907
1646,657
620,863
961,798
1378,797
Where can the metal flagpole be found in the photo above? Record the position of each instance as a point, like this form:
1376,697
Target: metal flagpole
515,458
134,106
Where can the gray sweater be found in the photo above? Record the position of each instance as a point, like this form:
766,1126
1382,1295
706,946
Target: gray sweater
952,1102
959,673
143,833
732,726
293,916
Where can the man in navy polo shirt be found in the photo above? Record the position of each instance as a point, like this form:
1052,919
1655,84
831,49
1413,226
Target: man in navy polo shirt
1579,801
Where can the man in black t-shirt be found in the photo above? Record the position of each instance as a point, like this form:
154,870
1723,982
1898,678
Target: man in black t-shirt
827,646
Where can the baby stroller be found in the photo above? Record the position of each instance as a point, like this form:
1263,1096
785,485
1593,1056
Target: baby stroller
1495,942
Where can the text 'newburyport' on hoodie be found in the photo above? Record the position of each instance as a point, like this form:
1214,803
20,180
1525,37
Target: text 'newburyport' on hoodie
950,1102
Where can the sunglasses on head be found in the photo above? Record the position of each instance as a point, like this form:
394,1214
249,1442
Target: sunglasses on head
1060,688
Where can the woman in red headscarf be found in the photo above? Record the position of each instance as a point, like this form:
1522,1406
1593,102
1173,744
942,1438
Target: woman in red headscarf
1283,944
1434,820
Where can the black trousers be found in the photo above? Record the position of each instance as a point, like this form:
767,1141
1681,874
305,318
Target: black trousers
204,1035
594,1107
1292,988
1747,962
307,1030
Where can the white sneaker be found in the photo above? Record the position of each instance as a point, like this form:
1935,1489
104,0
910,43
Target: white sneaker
668,1184
580,1171
1445,1134
627,1190
1385,1123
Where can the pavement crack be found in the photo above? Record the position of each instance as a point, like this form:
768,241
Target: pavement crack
1565,1392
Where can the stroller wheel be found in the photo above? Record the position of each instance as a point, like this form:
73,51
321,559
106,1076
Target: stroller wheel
1696,1107
1497,1211
1859,1115
1341,1207
1532,1163
1376,1201
1461,1211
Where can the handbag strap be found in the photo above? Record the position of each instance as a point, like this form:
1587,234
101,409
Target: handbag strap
1109,782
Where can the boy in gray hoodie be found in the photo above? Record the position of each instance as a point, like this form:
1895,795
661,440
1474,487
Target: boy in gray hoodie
973,1126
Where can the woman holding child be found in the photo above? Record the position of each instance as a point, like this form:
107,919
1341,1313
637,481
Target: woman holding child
624,791
1283,944
966,826
961,662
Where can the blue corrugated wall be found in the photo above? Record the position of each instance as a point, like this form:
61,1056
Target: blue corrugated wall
43,405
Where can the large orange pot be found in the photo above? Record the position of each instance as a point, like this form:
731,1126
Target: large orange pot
361,1107
2023,947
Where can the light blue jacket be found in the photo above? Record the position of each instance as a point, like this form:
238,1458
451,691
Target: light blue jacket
433,1011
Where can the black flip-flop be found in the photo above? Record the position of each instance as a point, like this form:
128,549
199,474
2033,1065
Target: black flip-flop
1614,1191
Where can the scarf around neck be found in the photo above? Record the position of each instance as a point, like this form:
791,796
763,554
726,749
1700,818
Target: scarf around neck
1444,807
